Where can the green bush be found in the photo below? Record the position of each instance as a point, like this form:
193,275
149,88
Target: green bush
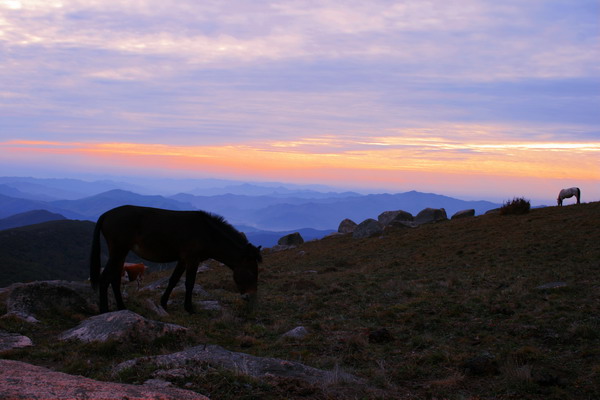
515,207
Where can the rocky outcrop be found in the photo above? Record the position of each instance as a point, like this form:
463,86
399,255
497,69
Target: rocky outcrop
51,296
293,239
347,226
430,215
122,326
196,360
367,228
22,381
387,217
463,214
9,341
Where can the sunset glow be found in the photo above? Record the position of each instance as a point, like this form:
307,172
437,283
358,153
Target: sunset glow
474,98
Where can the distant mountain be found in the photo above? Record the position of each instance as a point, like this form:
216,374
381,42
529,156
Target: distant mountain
10,206
53,189
12,191
269,239
329,215
247,189
29,218
92,207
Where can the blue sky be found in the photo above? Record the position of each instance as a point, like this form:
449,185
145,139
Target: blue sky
480,98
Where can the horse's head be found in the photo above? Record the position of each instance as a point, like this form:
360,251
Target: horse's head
245,274
559,201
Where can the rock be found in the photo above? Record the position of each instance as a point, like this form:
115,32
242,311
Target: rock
463,214
347,226
196,360
161,284
298,332
381,335
20,315
430,215
20,381
484,364
367,228
122,326
386,218
210,305
52,296
552,285
156,309
293,239
9,341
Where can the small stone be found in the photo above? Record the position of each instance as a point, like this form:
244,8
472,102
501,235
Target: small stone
298,332
552,285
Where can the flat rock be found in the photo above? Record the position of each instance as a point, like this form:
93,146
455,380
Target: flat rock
22,381
9,341
121,325
196,359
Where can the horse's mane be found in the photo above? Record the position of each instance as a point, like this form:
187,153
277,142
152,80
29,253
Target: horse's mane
226,228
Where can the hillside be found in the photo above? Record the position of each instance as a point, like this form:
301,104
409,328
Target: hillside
29,218
46,251
454,310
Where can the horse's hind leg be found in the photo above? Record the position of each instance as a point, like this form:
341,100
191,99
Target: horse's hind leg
190,281
111,276
175,276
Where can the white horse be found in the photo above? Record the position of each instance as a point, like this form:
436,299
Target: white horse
570,192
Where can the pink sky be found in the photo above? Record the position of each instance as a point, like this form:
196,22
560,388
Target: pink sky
469,98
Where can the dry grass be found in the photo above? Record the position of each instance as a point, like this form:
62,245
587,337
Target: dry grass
446,293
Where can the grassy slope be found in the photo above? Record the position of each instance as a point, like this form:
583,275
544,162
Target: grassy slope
446,292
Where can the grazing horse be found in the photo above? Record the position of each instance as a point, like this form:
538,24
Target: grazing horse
567,193
188,237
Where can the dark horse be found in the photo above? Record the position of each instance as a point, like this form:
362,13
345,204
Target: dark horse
188,237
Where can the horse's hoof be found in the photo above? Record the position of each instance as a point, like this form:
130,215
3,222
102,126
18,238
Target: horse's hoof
190,309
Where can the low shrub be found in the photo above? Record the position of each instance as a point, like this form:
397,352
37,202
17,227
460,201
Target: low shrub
515,207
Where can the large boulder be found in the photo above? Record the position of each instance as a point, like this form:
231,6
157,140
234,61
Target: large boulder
347,226
9,341
22,381
430,215
121,326
464,214
44,297
387,217
195,361
293,239
367,228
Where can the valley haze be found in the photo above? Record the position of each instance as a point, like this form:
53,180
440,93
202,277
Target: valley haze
264,211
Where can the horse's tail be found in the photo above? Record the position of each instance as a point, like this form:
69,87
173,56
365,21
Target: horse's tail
95,255
578,195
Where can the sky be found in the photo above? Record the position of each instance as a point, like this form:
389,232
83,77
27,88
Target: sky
472,98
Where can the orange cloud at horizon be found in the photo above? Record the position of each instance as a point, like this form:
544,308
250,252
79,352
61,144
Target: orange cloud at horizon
324,159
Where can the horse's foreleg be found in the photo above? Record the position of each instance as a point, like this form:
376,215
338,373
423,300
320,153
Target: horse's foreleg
190,281
175,276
